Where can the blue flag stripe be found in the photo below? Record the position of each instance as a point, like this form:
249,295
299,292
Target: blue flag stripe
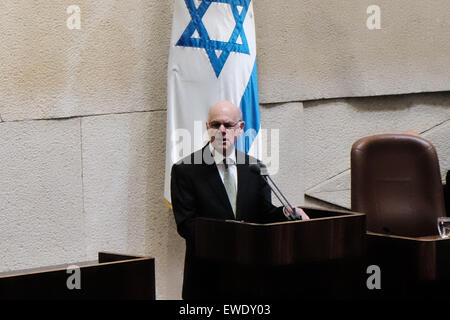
250,113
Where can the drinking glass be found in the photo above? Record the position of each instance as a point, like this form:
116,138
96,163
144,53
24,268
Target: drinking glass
443,224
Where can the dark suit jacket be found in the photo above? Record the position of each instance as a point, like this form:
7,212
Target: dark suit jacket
198,191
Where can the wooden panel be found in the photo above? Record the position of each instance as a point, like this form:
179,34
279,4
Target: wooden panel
125,278
335,234
321,257
410,266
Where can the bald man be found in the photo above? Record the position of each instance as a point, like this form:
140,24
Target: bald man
216,182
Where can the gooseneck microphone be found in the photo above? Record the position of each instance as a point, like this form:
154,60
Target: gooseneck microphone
261,169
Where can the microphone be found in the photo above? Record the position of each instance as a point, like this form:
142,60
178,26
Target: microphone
261,169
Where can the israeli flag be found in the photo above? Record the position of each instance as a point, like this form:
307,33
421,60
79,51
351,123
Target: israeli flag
212,58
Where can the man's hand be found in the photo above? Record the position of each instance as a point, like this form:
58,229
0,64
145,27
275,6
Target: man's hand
298,212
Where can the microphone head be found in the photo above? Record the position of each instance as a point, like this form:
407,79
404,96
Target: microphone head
255,168
259,168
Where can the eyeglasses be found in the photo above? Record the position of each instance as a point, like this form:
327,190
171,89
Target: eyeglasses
227,125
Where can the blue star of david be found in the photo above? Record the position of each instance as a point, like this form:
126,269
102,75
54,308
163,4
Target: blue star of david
204,40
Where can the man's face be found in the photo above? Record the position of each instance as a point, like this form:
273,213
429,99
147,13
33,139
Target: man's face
224,127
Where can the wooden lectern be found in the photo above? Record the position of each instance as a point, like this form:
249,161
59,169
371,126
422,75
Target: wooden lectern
321,257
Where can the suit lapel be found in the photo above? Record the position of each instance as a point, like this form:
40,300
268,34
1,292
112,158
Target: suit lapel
243,172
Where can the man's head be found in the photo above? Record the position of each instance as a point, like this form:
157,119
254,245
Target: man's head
224,126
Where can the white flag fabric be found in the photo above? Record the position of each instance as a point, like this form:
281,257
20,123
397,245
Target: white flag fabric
212,58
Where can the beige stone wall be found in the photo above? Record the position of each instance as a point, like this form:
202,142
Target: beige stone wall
324,49
116,62
82,115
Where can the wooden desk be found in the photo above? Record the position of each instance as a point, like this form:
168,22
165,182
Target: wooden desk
410,266
113,276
